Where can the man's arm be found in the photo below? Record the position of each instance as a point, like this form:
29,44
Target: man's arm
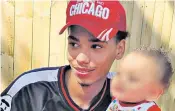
19,102
26,92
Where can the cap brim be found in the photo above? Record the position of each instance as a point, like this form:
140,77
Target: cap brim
90,27
64,28
83,24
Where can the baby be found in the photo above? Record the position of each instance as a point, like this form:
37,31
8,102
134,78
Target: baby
142,78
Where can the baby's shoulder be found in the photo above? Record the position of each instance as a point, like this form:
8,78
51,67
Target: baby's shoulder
154,108
149,106
145,106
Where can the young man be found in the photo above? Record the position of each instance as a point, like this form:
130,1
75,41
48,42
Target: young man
96,33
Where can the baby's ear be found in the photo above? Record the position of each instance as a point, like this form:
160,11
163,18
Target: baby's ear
155,94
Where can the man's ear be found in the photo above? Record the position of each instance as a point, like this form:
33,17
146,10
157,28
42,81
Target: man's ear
120,50
155,94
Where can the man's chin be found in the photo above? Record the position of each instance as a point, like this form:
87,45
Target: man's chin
84,84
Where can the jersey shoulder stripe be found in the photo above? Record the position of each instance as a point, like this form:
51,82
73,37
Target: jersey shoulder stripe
48,74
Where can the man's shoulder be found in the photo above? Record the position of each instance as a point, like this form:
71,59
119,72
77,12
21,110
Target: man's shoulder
47,74
32,88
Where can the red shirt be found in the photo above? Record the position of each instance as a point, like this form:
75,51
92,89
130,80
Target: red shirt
142,106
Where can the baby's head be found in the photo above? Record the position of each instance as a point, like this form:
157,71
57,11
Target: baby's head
144,74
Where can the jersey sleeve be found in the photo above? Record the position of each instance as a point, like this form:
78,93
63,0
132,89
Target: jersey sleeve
154,108
20,102
22,93
15,96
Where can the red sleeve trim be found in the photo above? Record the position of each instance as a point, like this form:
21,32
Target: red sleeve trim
154,108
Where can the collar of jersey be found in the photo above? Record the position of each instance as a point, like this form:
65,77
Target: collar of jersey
67,98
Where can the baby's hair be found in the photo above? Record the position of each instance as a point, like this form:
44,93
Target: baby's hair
161,56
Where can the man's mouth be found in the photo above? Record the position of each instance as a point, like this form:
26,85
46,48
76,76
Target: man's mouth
83,71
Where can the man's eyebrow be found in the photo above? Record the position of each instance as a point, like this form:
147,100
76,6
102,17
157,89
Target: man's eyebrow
73,38
96,40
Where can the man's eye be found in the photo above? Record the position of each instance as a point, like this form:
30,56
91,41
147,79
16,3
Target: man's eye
96,46
73,44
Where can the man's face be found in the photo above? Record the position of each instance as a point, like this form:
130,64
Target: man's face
89,58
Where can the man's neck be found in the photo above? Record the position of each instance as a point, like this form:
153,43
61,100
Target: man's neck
82,95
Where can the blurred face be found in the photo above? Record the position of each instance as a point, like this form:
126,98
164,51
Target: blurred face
137,79
89,58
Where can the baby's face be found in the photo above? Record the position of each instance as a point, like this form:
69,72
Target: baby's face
137,78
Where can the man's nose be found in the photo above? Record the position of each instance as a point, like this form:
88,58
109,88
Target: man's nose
82,59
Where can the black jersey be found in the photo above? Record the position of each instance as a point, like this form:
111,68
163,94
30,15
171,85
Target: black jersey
44,89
